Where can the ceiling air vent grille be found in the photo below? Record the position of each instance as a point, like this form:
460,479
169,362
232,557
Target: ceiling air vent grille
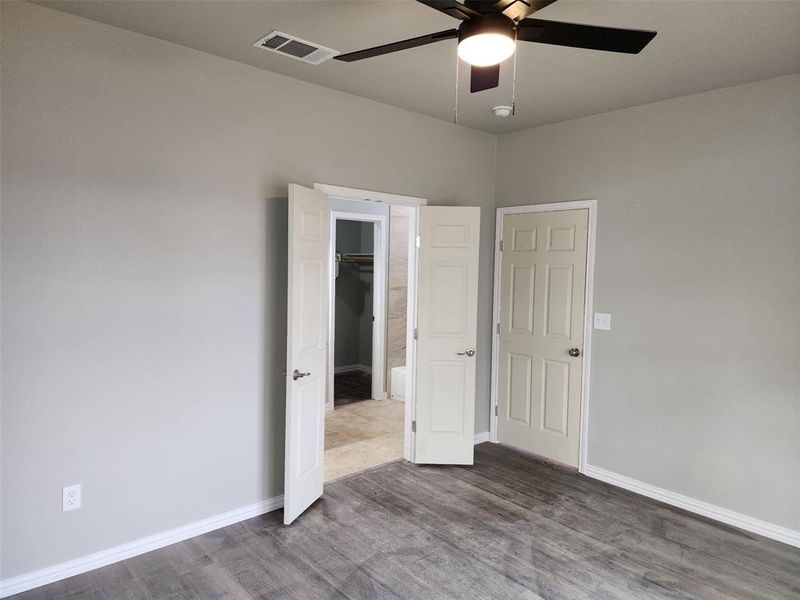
294,47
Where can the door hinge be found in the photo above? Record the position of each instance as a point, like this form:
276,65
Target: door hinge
419,241
498,329
496,411
501,245
416,333
413,427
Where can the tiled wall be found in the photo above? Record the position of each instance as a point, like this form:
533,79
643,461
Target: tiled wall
398,287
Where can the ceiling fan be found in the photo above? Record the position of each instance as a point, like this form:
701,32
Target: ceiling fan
490,29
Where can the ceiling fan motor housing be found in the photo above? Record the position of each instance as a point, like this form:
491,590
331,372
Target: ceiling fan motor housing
486,24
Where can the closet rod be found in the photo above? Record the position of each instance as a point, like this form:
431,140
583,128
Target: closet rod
356,258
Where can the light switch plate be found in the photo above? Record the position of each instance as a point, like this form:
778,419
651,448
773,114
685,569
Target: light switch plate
602,321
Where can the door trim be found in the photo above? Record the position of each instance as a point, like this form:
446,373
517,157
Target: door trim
588,312
379,284
356,194
345,193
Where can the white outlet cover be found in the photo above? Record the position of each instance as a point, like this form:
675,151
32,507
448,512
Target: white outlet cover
602,321
71,497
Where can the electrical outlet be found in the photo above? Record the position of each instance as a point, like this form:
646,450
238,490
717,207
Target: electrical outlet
602,321
71,498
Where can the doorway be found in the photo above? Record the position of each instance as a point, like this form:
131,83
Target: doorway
543,290
365,420
437,382
354,289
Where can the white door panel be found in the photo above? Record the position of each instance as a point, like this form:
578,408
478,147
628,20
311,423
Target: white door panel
307,327
542,295
447,312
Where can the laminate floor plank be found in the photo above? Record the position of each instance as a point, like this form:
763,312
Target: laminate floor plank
742,544
262,566
675,532
390,571
350,578
642,545
600,544
460,531
510,527
598,569
116,581
332,519
448,569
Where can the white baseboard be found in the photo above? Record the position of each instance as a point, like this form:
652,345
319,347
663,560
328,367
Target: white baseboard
481,437
34,579
349,368
751,524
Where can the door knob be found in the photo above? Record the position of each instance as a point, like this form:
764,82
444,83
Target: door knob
298,375
574,352
468,352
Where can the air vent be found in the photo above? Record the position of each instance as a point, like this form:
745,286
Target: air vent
294,47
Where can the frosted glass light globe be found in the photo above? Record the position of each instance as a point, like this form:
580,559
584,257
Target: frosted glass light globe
485,49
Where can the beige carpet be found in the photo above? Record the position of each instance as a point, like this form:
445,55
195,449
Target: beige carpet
362,435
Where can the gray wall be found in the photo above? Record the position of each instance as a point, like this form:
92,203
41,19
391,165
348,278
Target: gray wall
144,269
353,293
696,387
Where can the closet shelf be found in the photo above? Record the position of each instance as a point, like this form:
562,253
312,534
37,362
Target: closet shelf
356,258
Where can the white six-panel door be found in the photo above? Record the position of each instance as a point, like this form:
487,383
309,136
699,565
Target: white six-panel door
447,310
307,331
542,295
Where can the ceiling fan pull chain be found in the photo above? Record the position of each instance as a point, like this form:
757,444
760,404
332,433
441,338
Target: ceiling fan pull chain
455,107
514,78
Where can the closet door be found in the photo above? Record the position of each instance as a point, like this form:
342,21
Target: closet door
307,331
447,309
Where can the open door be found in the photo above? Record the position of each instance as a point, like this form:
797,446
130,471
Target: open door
306,349
447,309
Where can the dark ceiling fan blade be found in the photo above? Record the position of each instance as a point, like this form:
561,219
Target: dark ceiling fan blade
484,78
397,46
484,7
629,41
520,9
451,7
539,4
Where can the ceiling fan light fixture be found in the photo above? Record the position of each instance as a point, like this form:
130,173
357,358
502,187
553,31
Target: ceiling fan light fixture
487,41
486,49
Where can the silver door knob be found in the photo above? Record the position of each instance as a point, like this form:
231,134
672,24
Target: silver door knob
574,352
298,375
468,352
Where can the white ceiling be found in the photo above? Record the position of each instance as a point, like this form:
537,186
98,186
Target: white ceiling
701,45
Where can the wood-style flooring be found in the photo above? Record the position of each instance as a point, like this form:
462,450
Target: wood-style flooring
509,527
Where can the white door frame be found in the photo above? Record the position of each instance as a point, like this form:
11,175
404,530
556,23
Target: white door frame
345,193
588,319
379,300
